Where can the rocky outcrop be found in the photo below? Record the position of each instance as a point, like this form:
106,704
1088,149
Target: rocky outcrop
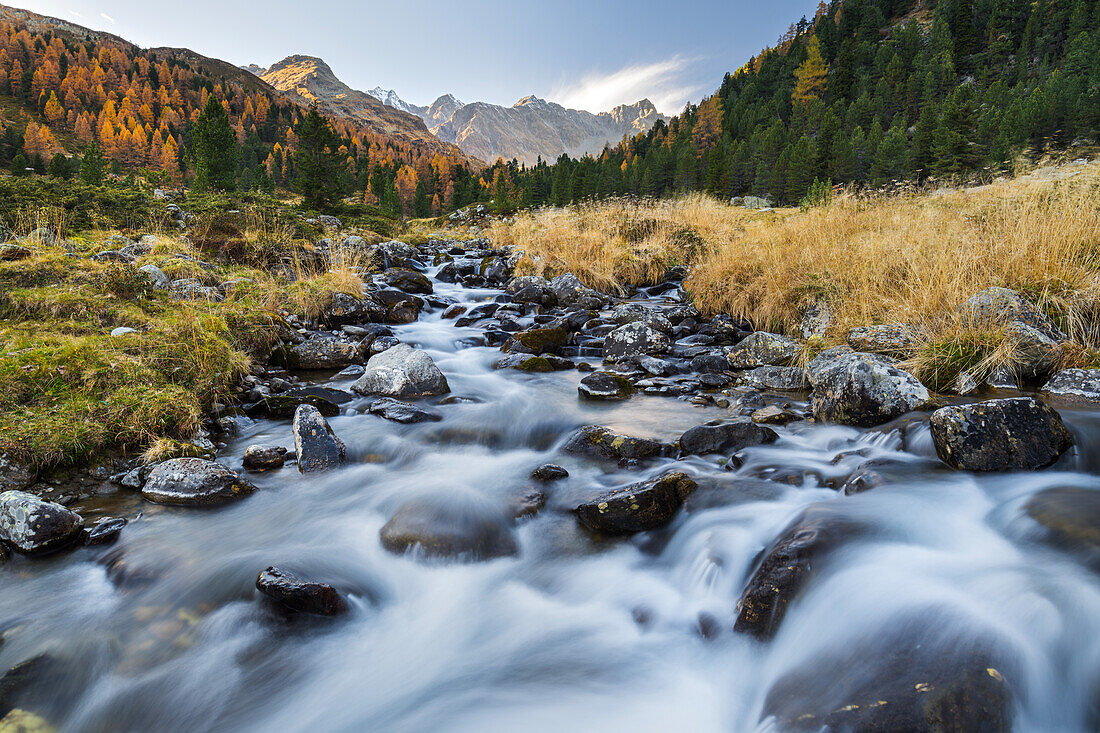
34,526
853,388
1019,433
315,442
638,507
402,371
194,482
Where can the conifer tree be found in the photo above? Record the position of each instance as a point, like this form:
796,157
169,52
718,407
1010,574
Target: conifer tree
317,161
214,148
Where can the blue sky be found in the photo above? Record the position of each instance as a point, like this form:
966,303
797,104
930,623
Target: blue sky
588,54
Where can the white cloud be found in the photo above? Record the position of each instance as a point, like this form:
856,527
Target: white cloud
74,14
107,18
661,82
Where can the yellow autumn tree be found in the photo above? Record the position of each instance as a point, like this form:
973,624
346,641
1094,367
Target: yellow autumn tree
54,111
811,74
708,124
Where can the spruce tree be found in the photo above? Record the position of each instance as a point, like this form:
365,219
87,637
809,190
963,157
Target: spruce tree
317,161
93,166
214,148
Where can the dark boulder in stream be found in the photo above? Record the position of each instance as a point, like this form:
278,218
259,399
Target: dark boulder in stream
599,442
449,528
194,482
315,442
725,437
402,412
638,507
605,386
300,595
1019,433
34,526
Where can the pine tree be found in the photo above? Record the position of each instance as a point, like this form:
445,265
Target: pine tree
954,149
93,166
214,148
317,161
59,167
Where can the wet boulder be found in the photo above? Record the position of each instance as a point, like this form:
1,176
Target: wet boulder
264,457
531,289
301,595
787,567
887,339
324,352
599,442
638,313
638,507
315,443
1074,385
408,281
605,386
543,363
402,371
549,472
912,678
283,405
569,290
1019,433
773,415
778,378
34,526
194,482
761,348
853,388
344,309
449,527
103,532
727,437
538,340
1072,517
402,412
634,339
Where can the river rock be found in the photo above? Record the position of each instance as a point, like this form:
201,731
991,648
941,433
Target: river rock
408,281
315,443
887,339
727,437
194,482
782,379
638,507
916,678
297,594
569,290
1072,385
1071,514
549,472
402,371
773,415
634,339
605,386
449,528
344,310
999,307
1035,354
1019,433
761,348
14,475
284,405
264,457
104,531
853,388
34,526
638,313
402,412
539,340
531,289
599,442
325,352
786,567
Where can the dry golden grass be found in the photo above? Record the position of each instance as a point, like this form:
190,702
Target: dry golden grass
905,258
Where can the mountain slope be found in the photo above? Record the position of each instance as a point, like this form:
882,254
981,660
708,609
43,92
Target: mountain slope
534,128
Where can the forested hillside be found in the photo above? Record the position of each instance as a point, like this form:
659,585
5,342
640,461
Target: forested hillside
867,92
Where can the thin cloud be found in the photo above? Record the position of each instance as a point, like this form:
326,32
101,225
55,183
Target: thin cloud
107,18
661,82
74,14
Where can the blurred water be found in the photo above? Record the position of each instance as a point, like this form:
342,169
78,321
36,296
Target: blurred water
572,634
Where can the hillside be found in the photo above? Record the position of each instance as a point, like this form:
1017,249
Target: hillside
868,93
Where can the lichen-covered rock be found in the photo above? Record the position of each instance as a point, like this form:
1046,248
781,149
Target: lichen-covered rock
531,289
786,568
639,313
888,339
402,371
782,379
761,348
325,352
727,437
1018,433
998,307
344,309
13,474
402,412
449,528
638,507
634,339
816,319
192,289
264,457
300,595
569,290
853,388
408,281
538,340
605,386
599,442
1035,355
316,444
194,482
34,526
1071,385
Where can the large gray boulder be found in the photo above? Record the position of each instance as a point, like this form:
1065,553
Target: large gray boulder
887,339
634,339
34,526
1075,385
569,290
999,307
725,438
326,352
316,444
638,313
853,388
761,348
194,482
402,371
1020,433
638,507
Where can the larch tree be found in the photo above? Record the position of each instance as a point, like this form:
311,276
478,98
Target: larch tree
811,76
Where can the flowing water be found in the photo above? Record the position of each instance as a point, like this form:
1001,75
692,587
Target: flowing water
572,634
